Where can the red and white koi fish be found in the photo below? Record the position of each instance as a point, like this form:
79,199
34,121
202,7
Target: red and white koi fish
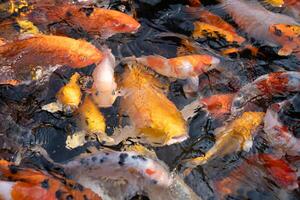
216,105
104,90
94,21
138,171
254,173
278,134
255,20
24,183
266,86
29,58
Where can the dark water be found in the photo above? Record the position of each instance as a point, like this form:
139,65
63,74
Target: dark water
24,124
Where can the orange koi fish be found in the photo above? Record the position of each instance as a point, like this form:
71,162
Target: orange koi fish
289,38
216,105
235,136
274,3
255,172
156,124
22,58
257,22
278,134
94,21
216,26
181,67
266,86
22,183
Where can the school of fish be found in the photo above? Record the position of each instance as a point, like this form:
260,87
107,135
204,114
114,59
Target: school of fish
120,110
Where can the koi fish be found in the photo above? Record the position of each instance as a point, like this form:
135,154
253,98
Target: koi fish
216,105
24,183
94,21
278,135
18,63
266,86
202,30
254,173
93,120
257,22
289,38
104,87
232,137
134,167
70,94
156,124
181,67
274,3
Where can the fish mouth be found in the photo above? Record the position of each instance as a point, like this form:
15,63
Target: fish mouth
177,139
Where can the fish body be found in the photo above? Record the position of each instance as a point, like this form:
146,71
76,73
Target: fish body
26,59
70,94
142,102
91,117
278,134
255,20
202,29
235,136
24,183
94,21
135,168
274,3
266,86
181,67
104,85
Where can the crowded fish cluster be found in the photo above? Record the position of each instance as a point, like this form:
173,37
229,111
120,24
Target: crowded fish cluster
187,100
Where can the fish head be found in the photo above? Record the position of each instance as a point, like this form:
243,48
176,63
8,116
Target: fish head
121,23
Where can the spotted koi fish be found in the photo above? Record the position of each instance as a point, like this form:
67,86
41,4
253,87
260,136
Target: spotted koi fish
17,62
235,136
266,86
131,166
155,124
278,134
252,23
24,183
94,21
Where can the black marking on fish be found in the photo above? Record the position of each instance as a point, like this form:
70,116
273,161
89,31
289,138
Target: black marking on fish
94,158
45,184
85,197
140,157
87,11
97,93
122,157
278,32
58,194
102,160
69,14
13,169
78,187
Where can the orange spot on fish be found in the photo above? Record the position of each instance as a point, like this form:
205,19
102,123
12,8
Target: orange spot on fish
150,172
274,83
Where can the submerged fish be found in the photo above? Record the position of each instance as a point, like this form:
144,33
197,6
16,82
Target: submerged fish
278,134
24,183
266,86
255,20
92,20
143,100
27,59
235,136
255,173
274,3
104,90
216,105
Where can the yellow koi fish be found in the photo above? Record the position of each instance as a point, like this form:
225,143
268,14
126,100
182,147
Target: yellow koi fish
232,137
